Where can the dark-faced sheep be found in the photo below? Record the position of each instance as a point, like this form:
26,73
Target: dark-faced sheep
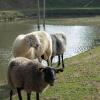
33,45
29,75
58,47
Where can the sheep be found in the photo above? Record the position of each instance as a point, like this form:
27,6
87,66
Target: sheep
59,42
33,45
29,75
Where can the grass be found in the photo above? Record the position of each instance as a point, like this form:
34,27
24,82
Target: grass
79,81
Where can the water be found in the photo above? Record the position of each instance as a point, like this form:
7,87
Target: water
79,39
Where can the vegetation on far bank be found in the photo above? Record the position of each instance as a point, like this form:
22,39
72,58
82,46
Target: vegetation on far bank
13,15
74,21
61,21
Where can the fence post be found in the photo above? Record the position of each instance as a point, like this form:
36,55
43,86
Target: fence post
38,14
44,14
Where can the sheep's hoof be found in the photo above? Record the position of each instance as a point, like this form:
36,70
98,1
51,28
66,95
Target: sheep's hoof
59,70
62,70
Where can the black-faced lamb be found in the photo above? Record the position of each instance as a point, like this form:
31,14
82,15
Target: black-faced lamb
59,42
29,75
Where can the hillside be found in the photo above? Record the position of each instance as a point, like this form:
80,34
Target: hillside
26,4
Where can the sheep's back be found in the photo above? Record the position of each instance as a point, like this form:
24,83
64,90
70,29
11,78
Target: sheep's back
15,68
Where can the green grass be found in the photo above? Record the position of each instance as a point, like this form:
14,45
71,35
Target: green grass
79,81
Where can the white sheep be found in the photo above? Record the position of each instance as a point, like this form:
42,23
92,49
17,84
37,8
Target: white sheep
29,75
33,45
58,46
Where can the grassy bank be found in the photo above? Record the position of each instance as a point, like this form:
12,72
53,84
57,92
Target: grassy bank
79,81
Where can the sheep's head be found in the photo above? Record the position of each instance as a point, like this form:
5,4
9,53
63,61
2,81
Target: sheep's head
33,41
50,74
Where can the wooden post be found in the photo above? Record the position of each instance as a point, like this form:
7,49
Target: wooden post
44,14
38,14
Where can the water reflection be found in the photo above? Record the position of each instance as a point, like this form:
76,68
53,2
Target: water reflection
79,39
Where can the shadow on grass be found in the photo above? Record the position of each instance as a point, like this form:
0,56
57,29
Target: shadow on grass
4,91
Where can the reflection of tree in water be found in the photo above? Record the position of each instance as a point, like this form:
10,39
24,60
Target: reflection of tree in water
4,92
4,58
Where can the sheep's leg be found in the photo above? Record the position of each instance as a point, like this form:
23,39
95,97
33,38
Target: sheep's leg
48,62
62,61
37,96
58,60
11,93
19,93
51,60
40,59
28,96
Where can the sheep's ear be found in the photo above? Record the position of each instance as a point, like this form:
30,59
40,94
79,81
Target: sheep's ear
58,70
41,69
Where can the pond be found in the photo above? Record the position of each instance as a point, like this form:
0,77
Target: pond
79,39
